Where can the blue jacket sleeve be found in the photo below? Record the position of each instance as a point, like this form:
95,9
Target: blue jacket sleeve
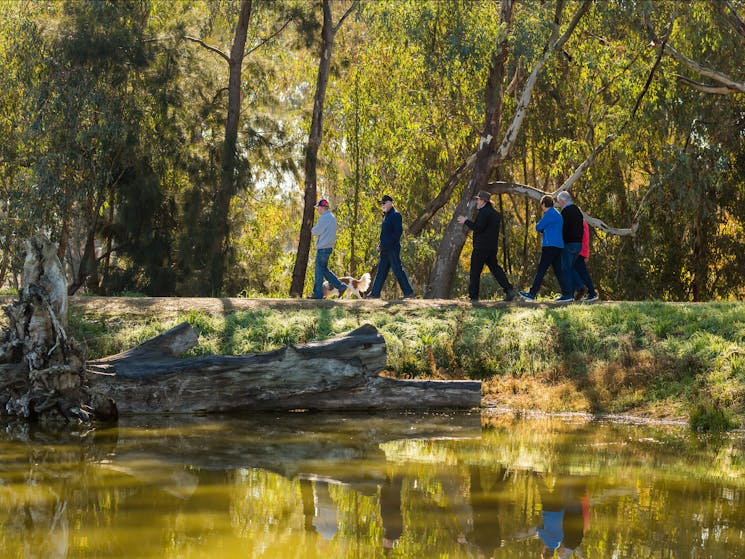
545,221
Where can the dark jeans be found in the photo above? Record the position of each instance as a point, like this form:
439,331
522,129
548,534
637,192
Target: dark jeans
390,260
550,256
574,267
322,272
478,260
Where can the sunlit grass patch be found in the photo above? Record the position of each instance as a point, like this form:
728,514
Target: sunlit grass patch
652,358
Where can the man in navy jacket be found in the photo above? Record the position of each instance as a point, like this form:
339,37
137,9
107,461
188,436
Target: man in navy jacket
390,251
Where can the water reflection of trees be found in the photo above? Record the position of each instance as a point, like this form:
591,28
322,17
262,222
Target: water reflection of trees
318,486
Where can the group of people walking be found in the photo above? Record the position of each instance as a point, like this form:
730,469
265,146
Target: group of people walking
564,247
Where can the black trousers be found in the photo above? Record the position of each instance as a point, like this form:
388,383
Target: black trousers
478,260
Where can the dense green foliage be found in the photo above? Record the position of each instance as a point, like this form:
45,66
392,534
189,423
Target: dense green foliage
112,120
657,359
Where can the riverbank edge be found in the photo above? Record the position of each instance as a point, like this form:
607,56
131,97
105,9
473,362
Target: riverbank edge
651,360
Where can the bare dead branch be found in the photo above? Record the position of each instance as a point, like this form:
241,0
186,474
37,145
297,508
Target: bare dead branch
500,187
705,88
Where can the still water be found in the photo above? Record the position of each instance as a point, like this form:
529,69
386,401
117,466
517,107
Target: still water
399,485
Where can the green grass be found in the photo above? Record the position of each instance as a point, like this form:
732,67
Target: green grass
654,359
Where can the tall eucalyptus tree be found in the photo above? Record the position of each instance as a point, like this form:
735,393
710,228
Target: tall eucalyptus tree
492,151
328,32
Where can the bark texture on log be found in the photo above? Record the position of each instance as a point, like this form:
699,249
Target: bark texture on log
337,374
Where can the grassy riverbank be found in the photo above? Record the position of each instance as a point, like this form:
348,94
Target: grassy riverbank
657,360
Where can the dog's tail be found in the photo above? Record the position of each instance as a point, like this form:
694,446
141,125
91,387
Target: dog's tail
364,282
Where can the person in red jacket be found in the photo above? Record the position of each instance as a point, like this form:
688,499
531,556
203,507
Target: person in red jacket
584,254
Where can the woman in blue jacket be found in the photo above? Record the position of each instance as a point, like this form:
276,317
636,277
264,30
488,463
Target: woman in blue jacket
550,225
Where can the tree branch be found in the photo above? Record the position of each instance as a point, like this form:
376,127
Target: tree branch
208,47
705,88
267,39
442,198
611,137
726,81
511,135
731,16
736,87
500,187
346,14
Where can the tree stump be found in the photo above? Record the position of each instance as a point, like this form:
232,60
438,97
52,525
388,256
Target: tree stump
43,373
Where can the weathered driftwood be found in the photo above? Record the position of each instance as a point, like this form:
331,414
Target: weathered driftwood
337,374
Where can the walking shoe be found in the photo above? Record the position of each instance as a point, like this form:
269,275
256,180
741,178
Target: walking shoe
527,296
591,298
509,295
565,299
409,296
580,293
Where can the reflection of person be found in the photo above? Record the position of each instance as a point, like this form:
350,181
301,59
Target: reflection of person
570,260
565,516
390,510
309,506
390,251
575,524
319,509
485,243
486,506
325,230
550,226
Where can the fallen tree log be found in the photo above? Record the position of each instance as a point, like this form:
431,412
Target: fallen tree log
44,375
337,374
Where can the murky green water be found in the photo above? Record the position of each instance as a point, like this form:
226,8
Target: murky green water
301,485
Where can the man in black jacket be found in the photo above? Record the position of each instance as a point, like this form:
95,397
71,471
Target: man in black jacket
571,263
485,244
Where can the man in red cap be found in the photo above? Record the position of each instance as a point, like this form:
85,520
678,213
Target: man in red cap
325,230
485,243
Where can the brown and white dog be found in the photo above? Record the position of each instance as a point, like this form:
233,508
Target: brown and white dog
354,287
